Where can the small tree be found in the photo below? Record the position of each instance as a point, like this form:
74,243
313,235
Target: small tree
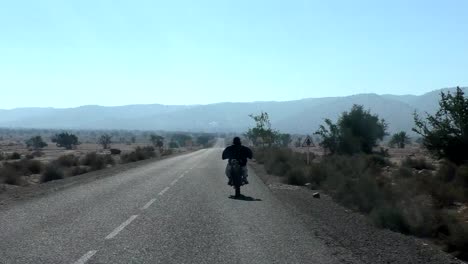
36,143
181,139
356,131
173,144
283,139
157,141
105,140
298,142
262,130
65,140
204,140
445,134
399,139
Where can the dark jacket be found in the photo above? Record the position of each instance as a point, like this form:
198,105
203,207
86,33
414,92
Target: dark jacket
238,152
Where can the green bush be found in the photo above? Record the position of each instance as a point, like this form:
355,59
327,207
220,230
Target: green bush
356,131
444,133
52,173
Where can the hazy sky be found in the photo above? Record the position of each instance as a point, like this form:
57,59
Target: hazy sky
69,53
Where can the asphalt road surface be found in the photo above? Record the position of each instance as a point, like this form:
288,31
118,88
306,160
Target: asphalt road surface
176,210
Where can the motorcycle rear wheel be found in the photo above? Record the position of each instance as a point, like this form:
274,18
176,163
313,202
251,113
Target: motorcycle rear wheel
237,188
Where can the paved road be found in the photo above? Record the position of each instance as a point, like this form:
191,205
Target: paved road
176,210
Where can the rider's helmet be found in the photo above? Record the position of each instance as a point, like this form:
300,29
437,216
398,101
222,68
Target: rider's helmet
236,141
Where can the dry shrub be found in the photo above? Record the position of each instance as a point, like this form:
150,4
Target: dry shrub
34,166
403,172
418,164
11,176
280,161
25,166
419,215
96,161
69,160
15,156
167,152
115,151
389,217
78,170
140,153
454,232
37,153
52,173
296,177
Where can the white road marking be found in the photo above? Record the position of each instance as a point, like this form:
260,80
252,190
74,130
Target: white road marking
86,257
182,175
148,204
121,227
174,181
163,191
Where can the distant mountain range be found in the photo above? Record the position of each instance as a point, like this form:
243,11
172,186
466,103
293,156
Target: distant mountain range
299,116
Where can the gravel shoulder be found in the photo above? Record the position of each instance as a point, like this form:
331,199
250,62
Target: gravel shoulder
350,232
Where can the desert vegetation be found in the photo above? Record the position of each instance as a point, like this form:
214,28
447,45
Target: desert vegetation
421,196
28,159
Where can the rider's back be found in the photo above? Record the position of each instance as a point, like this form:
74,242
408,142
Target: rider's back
238,152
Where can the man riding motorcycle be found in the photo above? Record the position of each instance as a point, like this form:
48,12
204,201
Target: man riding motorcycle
240,153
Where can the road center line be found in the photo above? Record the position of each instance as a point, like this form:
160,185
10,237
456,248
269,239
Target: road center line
174,181
86,257
163,191
121,227
148,204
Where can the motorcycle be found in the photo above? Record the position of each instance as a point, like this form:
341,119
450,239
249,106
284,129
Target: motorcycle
236,176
